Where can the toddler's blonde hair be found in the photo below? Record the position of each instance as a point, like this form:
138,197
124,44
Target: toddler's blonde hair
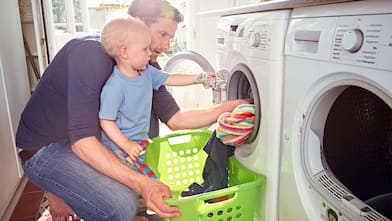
119,31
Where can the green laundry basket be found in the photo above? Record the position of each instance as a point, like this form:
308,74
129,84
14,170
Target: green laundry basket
178,161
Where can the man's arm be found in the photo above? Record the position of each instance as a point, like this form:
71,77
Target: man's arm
194,119
95,154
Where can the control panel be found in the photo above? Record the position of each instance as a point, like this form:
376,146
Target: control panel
363,40
258,35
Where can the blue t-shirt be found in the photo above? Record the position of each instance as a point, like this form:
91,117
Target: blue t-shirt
128,100
65,103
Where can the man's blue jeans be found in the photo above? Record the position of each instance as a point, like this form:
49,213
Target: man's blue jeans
90,194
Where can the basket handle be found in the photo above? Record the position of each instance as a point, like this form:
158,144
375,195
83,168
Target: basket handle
210,197
179,139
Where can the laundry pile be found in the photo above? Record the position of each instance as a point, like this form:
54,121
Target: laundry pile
233,130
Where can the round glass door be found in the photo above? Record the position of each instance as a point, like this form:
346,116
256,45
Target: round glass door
194,96
347,145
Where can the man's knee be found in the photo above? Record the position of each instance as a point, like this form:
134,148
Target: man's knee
125,209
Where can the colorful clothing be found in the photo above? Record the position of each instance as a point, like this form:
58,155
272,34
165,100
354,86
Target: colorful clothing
139,162
234,128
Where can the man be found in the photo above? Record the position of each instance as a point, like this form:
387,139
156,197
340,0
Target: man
61,121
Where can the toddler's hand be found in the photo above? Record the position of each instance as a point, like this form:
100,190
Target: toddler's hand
134,151
207,79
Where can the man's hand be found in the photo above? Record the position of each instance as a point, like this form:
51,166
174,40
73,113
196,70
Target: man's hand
153,192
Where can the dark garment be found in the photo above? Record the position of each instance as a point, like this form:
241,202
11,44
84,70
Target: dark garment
65,104
215,173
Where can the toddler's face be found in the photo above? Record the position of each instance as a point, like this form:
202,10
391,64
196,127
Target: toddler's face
139,50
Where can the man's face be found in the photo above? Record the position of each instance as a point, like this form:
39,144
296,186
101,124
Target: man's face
162,31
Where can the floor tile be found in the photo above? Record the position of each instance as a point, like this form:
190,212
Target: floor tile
27,206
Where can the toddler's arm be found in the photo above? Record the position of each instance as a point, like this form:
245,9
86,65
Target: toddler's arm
114,133
207,79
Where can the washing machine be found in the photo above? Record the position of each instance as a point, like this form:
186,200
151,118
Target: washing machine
336,160
251,47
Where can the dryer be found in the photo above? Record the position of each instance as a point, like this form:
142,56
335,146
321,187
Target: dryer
251,47
336,161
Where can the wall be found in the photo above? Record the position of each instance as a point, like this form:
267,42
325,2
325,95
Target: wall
14,92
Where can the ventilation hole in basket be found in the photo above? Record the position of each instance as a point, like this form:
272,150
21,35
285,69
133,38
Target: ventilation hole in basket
176,168
170,177
238,215
190,166
185,181
189,159
220,213
178,183
229,218
195,158
192,180
188,151
174,154
175,161
229,210
238,207
167,155
170,170
195,150
197,164
182,160
181,152
168,162
200,217
197,171
183,174
220,219
183,167
190,173
210,214
177,175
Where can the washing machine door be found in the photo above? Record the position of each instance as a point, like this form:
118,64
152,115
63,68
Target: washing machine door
198,97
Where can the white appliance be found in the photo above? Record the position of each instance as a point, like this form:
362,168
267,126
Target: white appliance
251,47
337,149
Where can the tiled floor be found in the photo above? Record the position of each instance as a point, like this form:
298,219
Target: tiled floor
27,208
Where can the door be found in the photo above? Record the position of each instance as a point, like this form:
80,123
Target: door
9,169
194,96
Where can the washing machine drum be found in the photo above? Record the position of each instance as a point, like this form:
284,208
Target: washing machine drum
357,146
242,85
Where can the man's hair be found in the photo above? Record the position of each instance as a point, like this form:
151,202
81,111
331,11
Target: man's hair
118,30
150,10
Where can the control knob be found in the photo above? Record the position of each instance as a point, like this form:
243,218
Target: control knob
352,40
255,39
